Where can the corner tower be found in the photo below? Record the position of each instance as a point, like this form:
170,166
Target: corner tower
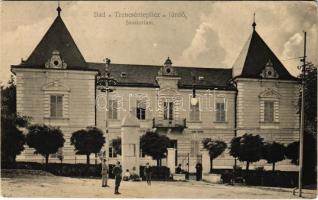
50,87
267,94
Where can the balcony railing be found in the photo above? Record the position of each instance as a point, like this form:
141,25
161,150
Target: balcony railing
169,123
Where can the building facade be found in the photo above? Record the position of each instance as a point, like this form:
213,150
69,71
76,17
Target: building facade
56,86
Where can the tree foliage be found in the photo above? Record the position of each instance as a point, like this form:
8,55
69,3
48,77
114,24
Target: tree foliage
310,125
12,124
154,145
88,141
45,140
310,95
292,152
247,148
215,148
273,152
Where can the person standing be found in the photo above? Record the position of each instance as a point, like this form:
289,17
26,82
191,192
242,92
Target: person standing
117,171
147,173
198,168
104,173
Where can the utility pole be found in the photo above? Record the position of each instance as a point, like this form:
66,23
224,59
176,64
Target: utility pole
301,130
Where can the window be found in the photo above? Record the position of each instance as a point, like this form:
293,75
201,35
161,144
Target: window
113,107
269,107
141,153
220,112
168,110
56,102
194,148
194,112
141,110
268,111
112,153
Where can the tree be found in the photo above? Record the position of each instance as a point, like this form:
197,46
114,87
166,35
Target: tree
88,141
247,148
45,140
292,152
154,145
310,126
12,124
273,152
215,148
310,95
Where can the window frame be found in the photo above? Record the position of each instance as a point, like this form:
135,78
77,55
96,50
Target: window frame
112,113
140,109
195,112
168,110
269,117
58,108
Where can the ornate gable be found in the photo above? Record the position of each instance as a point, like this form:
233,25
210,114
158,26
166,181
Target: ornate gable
269,93
269,71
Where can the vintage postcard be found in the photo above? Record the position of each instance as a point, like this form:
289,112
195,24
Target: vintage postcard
159,99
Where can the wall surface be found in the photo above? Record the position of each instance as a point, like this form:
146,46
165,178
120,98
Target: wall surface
78,90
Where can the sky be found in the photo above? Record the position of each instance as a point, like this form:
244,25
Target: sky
203,34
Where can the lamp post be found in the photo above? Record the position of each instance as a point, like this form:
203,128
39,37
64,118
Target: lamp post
104,81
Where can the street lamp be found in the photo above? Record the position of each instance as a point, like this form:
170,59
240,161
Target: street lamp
194,100
104,81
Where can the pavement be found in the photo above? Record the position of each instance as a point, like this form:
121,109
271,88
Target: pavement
47,185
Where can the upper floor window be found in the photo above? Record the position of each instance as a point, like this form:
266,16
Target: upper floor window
220,112
168,110
56,106
113,109
195,112
268,111
269,106
141,109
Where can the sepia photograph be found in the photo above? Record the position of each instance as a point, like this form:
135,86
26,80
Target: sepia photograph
159,99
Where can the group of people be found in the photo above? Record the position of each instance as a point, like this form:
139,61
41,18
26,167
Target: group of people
117,172
198,168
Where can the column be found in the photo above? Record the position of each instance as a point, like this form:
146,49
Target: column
205,161
130,143
171,160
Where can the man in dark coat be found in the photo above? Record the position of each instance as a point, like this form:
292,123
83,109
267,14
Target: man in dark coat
198,168
147,173
117,171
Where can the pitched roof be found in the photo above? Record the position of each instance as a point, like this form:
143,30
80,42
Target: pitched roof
145,75
57,38
253,58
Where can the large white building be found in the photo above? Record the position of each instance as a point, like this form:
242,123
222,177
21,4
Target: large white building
56,86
